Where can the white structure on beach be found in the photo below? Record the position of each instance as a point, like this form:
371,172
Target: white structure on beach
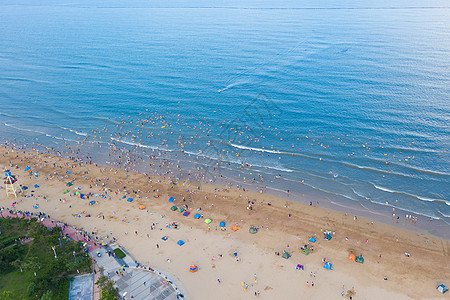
11,187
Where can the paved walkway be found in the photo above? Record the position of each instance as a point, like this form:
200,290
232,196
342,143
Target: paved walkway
81,288
133,280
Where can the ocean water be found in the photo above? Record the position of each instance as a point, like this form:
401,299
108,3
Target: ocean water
346,101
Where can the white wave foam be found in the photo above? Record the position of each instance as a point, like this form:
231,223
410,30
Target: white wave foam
384,189
140,145
23,129
75,131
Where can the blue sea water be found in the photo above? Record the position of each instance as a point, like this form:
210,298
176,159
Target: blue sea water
348,100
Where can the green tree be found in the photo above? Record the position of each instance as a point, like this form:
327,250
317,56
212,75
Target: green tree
109,291
5,295
47,296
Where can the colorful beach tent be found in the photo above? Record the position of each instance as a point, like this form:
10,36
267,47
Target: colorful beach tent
193,268
207,221
442,288
180,242
352,257
234,228
222,224
141,206
174,208
130,199
197,216
171,199
312,239
327,266
186,213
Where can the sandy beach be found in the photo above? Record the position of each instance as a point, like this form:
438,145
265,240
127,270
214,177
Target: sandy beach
232,264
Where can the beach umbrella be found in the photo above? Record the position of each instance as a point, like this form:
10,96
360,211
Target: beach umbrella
171,199
197,216
222,224
328,266
253,230
207,221
193,268
36,186
180,242
130,199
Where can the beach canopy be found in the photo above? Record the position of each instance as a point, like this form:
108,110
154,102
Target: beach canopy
352,257
234,228
207,221
141,206
442,288
286,255
193,268
174,208
171,199
130,199
253,230
186,213
312,239
197,216
222,224
180,242
327,266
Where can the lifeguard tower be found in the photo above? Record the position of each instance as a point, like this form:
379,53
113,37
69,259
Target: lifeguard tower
11,185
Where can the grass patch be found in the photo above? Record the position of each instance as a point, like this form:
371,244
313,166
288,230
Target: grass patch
119,253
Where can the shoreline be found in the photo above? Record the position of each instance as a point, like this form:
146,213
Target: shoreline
283,225
378,212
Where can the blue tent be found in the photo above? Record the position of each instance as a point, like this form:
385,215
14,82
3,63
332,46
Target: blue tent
197,216
312,239
36,186
171,199
222,224
180,242
130,199
327,266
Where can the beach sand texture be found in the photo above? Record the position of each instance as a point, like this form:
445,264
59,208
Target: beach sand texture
283,225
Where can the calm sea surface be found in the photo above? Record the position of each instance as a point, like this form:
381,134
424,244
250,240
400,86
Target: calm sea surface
348,100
